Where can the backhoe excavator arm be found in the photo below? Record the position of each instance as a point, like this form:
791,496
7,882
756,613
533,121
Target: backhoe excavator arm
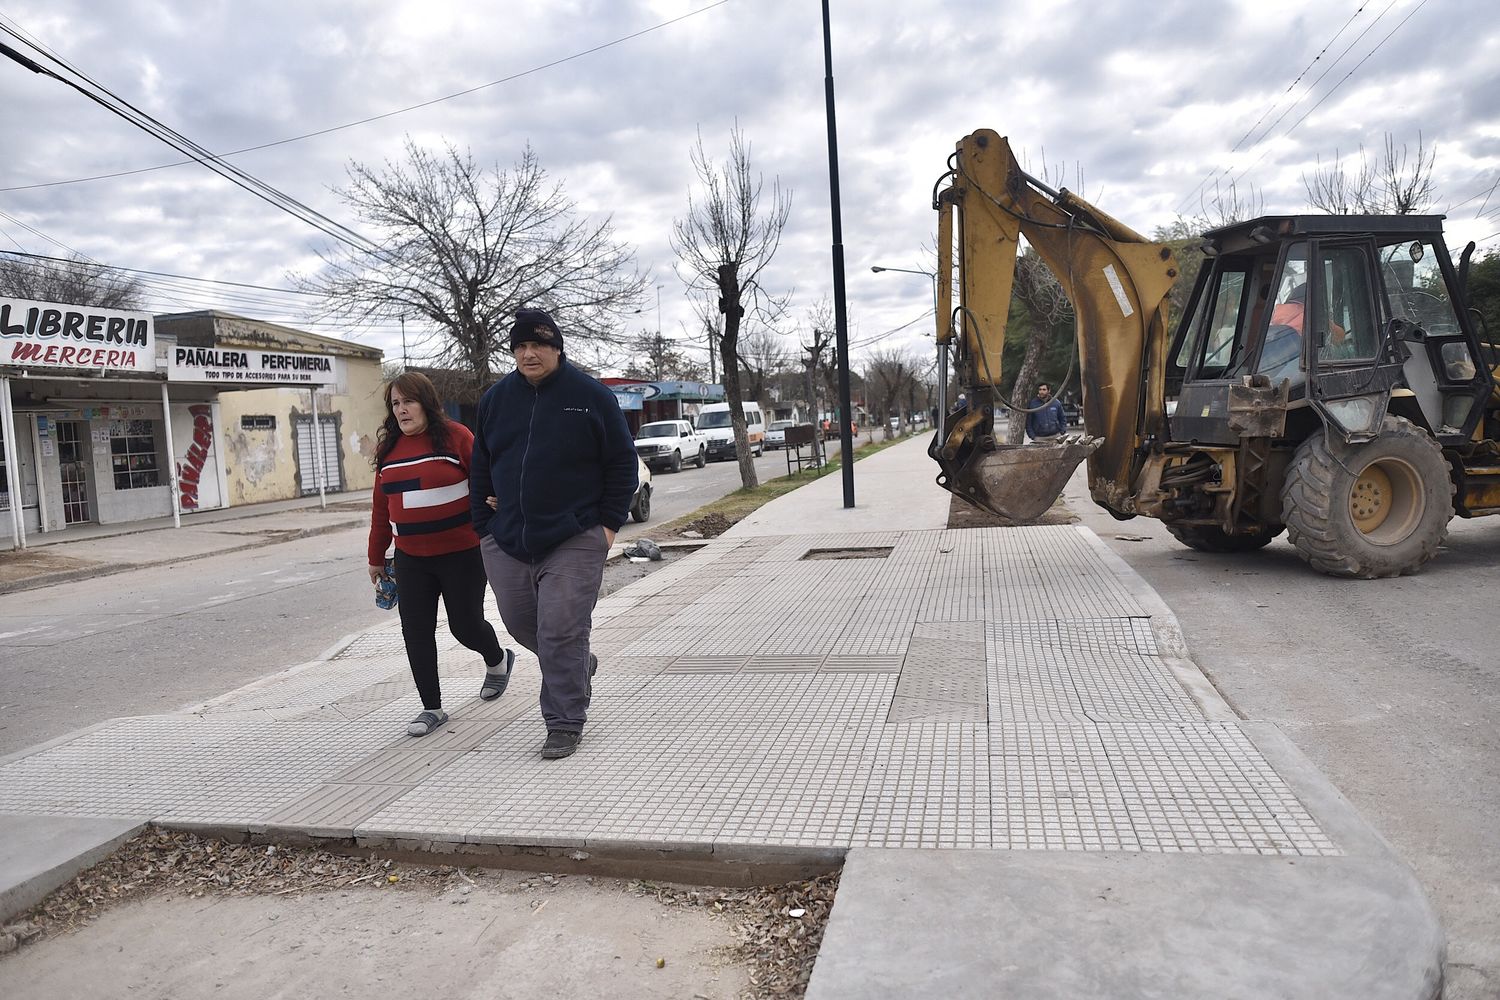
1118,282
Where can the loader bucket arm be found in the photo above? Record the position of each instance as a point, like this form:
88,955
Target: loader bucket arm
1118,283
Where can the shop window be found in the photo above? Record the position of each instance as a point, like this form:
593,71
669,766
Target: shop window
258,423
132,450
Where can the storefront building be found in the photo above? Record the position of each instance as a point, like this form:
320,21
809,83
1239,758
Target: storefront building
109,417
644,402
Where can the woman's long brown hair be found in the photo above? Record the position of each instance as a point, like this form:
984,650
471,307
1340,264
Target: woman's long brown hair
413,385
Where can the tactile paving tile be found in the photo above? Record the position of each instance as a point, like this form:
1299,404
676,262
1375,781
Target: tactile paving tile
1204,787
945,669
929,787
335,808
706,665
1082,669
833,664
378,644
313,686
1052,788
784,664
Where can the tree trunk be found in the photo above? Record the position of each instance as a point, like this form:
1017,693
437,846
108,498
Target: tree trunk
1021,391
729,304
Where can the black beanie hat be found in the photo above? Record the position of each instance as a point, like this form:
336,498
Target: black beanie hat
536,326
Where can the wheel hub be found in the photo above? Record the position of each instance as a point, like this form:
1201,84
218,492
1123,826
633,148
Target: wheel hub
1370,500
1387,501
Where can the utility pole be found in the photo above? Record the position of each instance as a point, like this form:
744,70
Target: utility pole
841,321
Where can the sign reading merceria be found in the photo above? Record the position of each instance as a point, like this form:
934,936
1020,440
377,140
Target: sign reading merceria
58,335
233,364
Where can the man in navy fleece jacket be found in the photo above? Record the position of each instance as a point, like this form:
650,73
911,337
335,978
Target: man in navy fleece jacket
553,448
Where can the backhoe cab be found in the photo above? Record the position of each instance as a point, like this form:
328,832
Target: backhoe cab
1325,379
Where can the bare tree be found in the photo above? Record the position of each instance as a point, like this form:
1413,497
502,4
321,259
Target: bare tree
656,357
820,336
891,376
462,247
763,355
72,281
1047,306
724,243
1397,185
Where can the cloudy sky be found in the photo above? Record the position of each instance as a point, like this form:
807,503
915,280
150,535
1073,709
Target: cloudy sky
1149,104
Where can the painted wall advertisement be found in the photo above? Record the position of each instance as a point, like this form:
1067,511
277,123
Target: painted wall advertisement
57,335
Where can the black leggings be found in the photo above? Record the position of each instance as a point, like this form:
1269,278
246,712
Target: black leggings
459,578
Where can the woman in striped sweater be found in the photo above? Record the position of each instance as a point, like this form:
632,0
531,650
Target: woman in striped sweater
422,501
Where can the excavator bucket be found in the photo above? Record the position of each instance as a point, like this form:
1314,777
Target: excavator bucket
1017,482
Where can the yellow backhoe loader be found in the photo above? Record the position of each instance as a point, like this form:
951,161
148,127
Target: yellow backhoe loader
1325,379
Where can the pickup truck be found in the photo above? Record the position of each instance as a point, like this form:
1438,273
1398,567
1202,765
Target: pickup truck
666,444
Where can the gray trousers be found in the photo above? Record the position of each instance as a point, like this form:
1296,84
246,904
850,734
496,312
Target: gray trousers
548,607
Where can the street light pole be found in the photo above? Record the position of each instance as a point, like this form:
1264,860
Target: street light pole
942,347
840,314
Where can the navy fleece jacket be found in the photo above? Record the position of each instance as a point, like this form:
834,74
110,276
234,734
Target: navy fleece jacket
558,458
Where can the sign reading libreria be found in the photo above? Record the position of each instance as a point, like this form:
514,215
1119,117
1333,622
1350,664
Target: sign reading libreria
238,366
56,335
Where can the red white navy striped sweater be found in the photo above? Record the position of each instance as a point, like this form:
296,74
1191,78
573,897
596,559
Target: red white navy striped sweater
422,497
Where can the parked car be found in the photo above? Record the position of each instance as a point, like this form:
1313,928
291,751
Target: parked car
666,444
715,425
895,425
776,433
640,504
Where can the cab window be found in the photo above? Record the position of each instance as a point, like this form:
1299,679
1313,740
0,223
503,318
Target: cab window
1349,330
1414,283
1218,331
1281,350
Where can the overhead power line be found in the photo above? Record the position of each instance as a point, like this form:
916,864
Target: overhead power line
160,274
116,105
380,117
1203,184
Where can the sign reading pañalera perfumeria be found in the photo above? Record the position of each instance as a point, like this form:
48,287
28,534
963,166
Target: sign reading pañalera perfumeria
58,335
239,366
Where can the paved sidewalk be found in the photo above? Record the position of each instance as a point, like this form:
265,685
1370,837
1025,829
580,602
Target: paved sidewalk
1033,789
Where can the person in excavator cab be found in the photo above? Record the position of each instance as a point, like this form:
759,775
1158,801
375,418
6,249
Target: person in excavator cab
1282,355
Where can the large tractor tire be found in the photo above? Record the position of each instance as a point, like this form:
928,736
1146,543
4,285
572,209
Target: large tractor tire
1207,538
1381,511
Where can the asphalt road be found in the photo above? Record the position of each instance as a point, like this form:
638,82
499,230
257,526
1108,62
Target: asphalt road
1391,687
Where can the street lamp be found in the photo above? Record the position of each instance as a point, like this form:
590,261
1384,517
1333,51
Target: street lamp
942,348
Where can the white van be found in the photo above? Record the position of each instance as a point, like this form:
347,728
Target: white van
714,424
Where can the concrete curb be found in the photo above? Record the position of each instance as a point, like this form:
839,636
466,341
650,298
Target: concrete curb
45,852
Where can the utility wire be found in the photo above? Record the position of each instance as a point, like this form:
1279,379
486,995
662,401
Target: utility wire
1272,106
161,274
1345,79
107,99
388,114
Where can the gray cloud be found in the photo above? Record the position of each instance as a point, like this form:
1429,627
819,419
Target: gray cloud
1145,99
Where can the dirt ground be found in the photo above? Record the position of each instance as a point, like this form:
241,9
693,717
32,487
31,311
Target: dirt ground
175,915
